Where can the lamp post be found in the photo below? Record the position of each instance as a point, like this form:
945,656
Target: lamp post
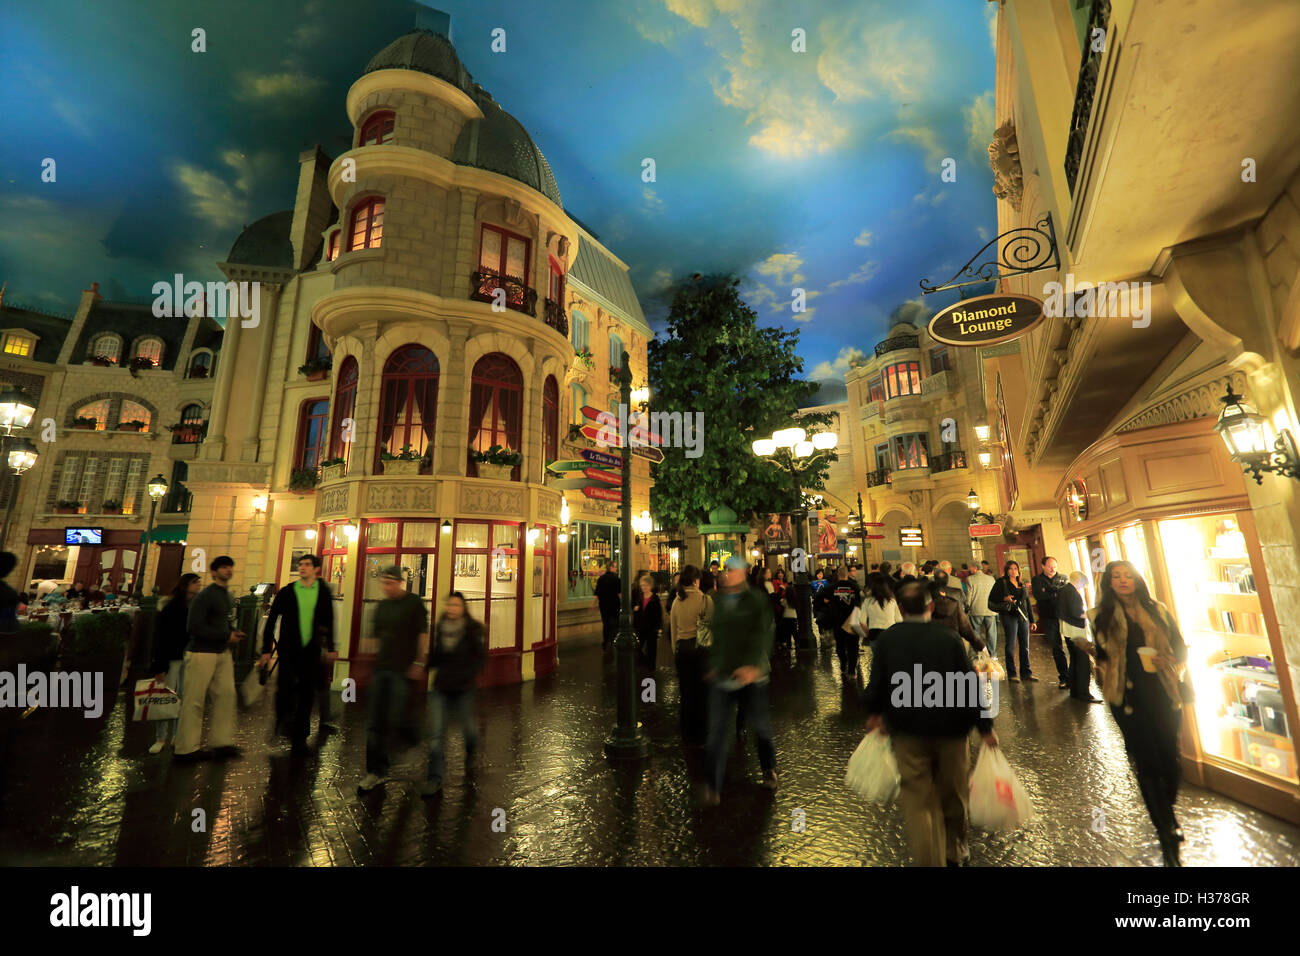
15,413
626,741
157,488
862,530
791,450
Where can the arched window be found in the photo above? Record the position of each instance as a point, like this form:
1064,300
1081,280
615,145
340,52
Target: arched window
367,224
316,347
96,410
311,433
578,330
201,365
332,247
408,402
345,403
107,347
377,129
189,431
579,395
550,420
151,349
496,400
135,412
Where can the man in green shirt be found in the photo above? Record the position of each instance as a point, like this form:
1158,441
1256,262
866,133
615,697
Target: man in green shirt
305,610
401,625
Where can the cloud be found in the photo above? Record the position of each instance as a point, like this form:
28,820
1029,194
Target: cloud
782,268
276,86
843,362
912,312
922,136
804,316
983,233
991,14
697,13
867,57
653,205
979,124
934,198
212,197
72,116
863,238
862,273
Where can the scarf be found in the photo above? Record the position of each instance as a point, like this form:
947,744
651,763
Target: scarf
1114,641
450,631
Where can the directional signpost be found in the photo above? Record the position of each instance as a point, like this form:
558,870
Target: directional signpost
606,477
604,459
634,432
568,464
603,434
601,493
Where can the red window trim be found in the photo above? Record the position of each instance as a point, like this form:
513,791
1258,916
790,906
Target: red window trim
367,205
506,234
427,427
345,389
370,120
332,245
550,421
500,424
300,442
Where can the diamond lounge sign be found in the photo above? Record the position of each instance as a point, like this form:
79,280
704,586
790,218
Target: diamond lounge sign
986,319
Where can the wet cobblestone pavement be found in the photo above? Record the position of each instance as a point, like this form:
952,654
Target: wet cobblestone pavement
88,793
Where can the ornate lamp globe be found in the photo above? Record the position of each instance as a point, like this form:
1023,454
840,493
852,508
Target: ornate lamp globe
15,410
157,487
973,500
22,455
1243,430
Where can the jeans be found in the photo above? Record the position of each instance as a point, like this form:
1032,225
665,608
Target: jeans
299,689
692,662
1014,626
846,649
1080,676
752,701
608,626
387,712
462,707
165,730
1052,631
986,628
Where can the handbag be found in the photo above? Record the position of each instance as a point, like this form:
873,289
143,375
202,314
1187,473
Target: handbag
155,701
703,632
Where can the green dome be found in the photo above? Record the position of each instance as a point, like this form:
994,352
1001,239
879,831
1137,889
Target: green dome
723,515
265,242
425,52
500,144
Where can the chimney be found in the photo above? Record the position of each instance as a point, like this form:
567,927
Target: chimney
312,207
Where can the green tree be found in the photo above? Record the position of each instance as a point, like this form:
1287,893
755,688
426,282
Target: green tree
714,359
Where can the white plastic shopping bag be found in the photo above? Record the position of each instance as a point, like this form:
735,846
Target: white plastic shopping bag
873,771
998,802
155,701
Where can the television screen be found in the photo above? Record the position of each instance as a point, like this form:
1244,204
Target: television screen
83,535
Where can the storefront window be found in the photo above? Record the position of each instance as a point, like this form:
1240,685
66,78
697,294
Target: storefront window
410,545
1135,548
1239,709
1082,562
542,606
590,549
486,571
1110,541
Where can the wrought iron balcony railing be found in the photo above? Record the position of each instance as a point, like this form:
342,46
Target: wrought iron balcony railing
896,343
553,315
881,476
1085,90
521,298
948,461
189,433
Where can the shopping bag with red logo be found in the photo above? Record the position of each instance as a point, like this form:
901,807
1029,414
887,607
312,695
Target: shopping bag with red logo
155,701
998,802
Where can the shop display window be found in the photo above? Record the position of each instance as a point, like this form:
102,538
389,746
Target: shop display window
1239,710
1110,542
486,572
1135,548
590,549
542,606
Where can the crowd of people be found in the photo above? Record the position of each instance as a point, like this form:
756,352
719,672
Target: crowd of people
727,624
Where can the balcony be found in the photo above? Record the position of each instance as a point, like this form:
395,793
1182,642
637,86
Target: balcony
520,297
937,384
881,476
948,461
189,433
553,315
897,343
1085,91
872,410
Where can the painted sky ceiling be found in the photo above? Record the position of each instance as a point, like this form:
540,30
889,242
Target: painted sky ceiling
817,170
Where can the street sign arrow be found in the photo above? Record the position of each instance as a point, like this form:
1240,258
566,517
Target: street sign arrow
607,477
602,493
634,431
567,464
602,458
603,434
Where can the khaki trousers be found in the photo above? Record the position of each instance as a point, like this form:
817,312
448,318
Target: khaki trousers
934,793
207,677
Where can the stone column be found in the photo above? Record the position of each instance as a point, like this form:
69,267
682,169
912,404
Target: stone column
269,308
453,402
214,445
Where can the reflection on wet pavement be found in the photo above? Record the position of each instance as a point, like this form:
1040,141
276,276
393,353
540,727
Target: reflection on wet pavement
88,793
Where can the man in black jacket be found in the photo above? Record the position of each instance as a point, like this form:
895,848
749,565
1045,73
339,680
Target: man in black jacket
839,599
1046,586
929,728
1074,631
609,597
305,612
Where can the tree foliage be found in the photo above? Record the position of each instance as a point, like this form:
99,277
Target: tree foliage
714,359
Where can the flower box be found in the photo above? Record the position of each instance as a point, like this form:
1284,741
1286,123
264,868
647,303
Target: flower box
401,466
317,375
130,426
495,472
65,510
85,425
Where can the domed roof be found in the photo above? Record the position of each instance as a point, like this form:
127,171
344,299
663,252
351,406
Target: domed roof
500,144
425,52
265,242
722,515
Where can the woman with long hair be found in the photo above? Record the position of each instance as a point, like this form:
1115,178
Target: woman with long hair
878,606
1010,598
690,608
458,651
1141,667
647,617
170,638
786,609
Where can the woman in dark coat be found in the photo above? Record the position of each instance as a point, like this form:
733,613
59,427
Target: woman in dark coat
170,638
647,616
1147,705
457,651
1010,598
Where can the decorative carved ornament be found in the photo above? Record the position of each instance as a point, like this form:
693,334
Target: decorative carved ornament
491,501
405,496
1199,402
1004,158
548,507
333,501
215,473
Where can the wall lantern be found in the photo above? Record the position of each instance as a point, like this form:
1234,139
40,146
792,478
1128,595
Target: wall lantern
1251,443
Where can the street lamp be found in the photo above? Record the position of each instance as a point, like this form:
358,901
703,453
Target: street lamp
15,413
157,488
22,456
1250,440
977,516
791,450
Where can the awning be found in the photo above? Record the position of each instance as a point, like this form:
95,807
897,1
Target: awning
167,534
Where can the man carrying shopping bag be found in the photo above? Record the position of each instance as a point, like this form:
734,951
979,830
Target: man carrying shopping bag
925,694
